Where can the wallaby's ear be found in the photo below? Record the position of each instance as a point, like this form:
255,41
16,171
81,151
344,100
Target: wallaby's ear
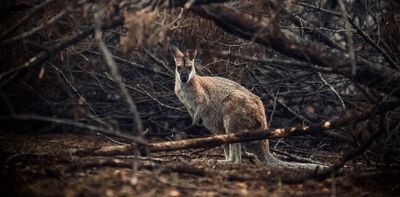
191,54
176,52
194,54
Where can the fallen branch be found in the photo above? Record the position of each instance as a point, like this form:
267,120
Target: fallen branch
218,140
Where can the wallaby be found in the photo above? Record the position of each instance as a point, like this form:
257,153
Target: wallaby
222,106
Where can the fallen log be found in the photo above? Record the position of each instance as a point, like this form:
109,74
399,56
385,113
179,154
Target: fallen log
216,140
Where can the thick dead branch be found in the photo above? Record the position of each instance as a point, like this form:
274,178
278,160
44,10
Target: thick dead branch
238,23
217,140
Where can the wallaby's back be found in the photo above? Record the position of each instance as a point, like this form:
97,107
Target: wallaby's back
230,99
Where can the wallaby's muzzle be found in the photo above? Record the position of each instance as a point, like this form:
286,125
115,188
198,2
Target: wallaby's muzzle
184,77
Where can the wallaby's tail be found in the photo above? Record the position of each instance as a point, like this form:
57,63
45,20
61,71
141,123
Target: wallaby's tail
261,151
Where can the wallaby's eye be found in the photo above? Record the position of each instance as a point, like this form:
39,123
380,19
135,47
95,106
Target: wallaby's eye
188,62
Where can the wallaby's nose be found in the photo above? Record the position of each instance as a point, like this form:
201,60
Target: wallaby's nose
184,78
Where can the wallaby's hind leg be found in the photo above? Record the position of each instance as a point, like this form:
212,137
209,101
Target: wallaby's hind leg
235,153
235,150
229,157
232,153
226,151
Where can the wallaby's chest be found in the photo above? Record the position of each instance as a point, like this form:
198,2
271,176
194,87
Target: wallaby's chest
186,95
203,100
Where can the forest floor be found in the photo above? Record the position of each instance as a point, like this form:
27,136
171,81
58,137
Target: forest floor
39,165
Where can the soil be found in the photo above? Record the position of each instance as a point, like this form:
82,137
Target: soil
40,165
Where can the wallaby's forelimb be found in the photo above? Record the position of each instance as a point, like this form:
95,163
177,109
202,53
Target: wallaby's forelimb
196,117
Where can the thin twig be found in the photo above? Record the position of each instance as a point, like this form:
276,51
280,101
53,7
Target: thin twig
297,115
111,140
160,62
295,157
159,102
273,109
333,90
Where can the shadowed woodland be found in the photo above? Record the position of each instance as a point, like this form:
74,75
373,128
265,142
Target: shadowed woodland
87,102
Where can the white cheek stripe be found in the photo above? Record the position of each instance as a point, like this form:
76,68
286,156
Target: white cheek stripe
177,75
192,73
